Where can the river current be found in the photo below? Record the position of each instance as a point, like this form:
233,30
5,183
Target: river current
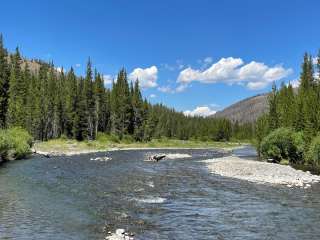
78,198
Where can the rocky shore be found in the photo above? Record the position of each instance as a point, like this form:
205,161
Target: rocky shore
261,172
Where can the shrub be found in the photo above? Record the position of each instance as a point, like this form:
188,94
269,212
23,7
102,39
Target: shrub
127,139
105,138
15,143
283,144
300,144
313,155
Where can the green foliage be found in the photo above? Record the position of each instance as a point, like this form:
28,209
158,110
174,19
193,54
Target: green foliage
102,137
313,155
261,130
297,109
281,144
300,145
51,103
15,143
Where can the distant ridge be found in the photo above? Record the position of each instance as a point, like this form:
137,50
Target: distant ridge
245,111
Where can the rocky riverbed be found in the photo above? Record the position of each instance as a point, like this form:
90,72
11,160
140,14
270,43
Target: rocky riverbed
260,172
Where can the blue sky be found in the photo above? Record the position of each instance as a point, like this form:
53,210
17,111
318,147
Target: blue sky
187,54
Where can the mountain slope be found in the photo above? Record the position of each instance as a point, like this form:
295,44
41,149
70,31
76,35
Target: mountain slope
245,111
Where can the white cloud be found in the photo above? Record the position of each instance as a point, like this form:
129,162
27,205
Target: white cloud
231,70
78,65
107,79
147,77
166,89
153,96
202,111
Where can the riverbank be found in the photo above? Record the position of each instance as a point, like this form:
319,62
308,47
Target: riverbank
260,172
65,147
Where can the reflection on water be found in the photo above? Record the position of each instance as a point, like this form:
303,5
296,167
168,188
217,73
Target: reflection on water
75,198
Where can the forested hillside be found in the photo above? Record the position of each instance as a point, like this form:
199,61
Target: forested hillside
245,111
50,104
290,130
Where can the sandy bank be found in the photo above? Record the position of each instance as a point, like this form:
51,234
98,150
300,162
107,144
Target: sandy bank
260,172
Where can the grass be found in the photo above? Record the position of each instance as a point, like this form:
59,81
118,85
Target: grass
15,143
107,142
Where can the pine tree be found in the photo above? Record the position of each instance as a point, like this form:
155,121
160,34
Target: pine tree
4,83
273,109
90,101
17,93
286,105
306,77
80,125
137,105
101,115
121,106
71,102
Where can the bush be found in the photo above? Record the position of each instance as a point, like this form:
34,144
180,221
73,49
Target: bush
283,144
15,143
105,138
300,144
127,139
313,155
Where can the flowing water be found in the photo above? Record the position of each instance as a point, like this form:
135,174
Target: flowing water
76,198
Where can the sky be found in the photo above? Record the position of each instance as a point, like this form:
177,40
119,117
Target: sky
197,56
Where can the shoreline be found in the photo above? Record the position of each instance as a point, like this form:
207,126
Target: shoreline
88,151
260,172
71,148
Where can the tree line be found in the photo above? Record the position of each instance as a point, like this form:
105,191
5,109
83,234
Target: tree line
50,104
297,109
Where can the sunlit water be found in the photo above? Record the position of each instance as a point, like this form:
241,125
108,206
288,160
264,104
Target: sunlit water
75,198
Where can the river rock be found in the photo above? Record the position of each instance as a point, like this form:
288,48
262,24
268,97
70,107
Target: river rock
120,232
260,172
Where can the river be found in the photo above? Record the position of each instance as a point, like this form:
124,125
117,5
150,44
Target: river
76,198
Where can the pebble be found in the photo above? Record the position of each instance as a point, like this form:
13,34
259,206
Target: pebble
261,172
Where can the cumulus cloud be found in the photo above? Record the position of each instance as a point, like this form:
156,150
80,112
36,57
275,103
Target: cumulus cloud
78,65
254,75
202,111
153,96
107,79
147,77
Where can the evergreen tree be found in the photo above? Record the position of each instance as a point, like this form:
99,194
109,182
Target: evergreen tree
273,109
90,101
17,93
137,105
71,102
80,125
4,83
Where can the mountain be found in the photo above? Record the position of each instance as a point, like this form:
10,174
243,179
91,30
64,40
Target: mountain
245,111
